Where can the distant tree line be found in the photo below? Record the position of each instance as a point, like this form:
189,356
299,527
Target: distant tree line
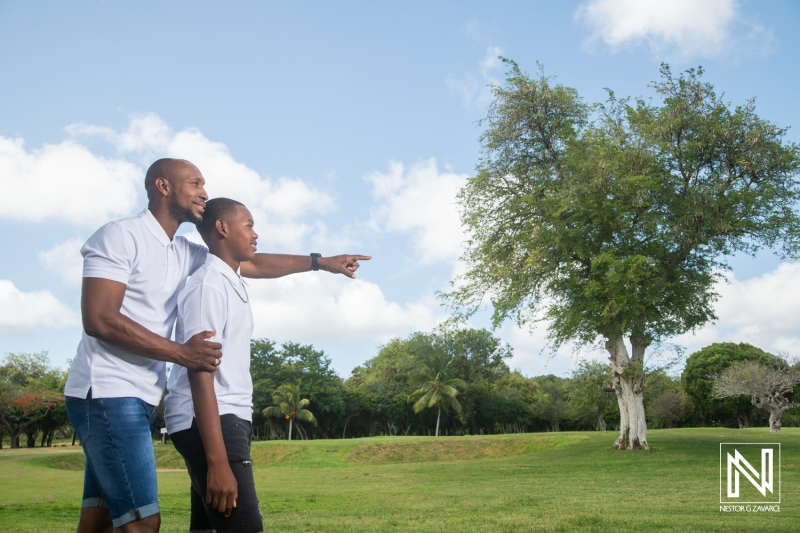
446,382
480,394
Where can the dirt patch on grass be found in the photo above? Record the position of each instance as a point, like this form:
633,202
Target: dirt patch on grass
448,450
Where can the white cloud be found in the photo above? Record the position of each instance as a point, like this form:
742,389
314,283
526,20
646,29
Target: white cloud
319,307
280,206
420,200
762,311
65,183
64,260
23,311
475,91
673,27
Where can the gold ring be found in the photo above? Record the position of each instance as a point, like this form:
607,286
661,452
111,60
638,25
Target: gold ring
216,362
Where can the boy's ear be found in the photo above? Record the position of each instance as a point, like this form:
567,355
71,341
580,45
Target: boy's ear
221,227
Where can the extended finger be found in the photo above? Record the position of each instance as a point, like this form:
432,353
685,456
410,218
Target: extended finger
360,257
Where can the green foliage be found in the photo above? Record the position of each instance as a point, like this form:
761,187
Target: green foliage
31,398
704,366
590,400
554,405
618,225
289,405
438,389
272,366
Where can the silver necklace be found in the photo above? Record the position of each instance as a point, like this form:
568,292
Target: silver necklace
237,292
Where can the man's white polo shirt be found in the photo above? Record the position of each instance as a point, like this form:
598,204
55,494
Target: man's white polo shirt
215,298
137,252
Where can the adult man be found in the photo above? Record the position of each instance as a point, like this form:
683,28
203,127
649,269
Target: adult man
133,270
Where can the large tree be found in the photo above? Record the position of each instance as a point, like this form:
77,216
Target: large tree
613,222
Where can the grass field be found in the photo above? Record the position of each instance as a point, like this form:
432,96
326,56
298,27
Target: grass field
510,483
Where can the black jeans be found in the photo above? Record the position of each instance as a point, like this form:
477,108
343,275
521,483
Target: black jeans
246,516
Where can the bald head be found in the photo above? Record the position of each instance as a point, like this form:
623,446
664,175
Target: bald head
175,189
167,168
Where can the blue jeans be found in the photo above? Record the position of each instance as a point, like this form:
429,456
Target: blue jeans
120,472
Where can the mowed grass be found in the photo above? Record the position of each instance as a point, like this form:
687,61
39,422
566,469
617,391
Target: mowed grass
515,483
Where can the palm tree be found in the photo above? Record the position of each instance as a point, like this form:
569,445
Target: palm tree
288,404
437,389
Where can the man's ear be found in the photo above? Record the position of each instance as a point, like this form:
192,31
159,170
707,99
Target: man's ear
221,227
163,186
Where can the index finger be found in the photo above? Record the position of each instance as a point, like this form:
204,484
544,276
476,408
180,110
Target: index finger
214,345
360,257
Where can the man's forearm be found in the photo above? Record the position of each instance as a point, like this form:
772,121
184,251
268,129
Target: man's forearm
119,330
269,266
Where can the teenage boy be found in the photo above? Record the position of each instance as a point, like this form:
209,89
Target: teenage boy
209,415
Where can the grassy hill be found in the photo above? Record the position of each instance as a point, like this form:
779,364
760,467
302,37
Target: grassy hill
532,482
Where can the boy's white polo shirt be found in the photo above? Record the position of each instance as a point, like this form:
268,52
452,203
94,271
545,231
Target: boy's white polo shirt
135,251
214,298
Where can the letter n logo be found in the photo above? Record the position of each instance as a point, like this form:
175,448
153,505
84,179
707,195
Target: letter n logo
742,460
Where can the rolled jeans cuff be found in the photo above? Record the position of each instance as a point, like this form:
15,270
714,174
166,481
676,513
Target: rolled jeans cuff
136,514
91,503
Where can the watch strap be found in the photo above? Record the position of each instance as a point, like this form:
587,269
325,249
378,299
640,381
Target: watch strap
315,261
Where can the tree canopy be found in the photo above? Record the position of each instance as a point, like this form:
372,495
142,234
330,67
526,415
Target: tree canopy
613,221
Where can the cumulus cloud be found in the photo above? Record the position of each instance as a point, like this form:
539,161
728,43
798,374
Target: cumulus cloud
673,27
475,90
318,307
420,200
64,261
281,206
65,183
762,311
23,311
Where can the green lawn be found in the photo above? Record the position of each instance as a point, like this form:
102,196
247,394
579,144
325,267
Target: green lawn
514,483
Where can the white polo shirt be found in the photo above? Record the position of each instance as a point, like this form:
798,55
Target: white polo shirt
215,298
137,252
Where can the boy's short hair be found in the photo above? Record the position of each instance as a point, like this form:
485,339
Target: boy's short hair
216,209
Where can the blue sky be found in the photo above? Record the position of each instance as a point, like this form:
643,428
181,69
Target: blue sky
347,126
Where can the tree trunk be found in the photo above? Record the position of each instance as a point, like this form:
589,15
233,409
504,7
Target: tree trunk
14,440
775,415
437,420
290,428
601,422
628,385
744,420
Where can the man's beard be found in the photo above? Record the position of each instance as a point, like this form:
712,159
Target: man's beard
183,214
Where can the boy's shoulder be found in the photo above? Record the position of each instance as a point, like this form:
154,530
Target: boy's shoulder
205,278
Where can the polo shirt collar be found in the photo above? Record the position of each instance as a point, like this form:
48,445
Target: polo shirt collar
223,267
155,228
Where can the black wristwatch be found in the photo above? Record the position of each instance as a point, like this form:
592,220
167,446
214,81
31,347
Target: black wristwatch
315,261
